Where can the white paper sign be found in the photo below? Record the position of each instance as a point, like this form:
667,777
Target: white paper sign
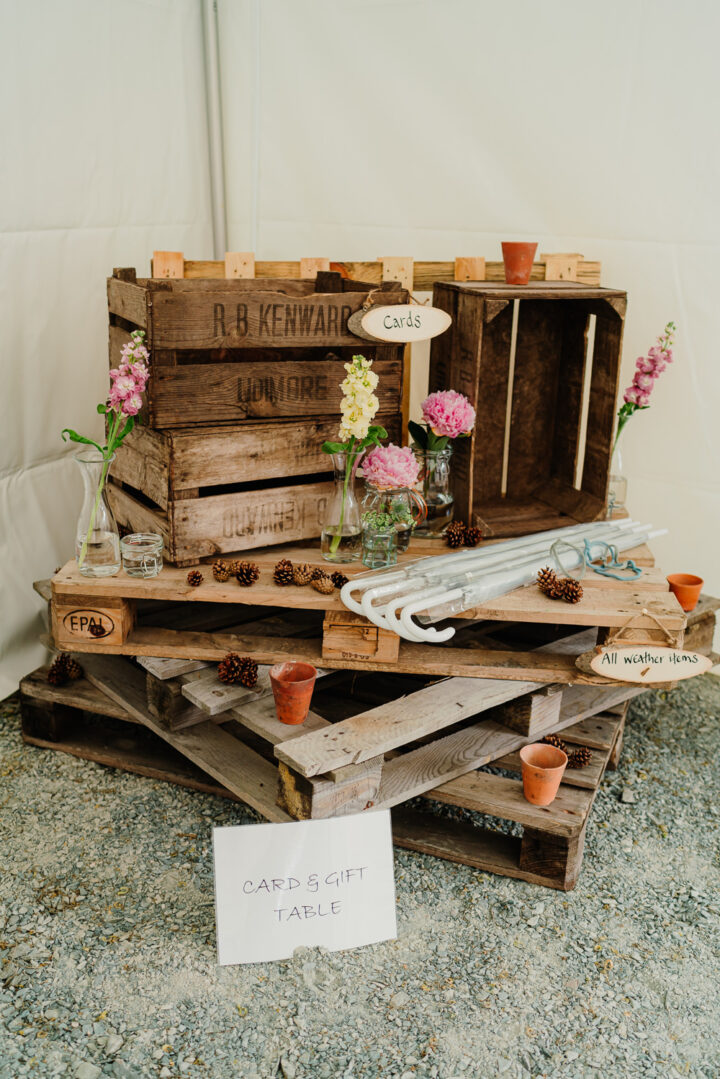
405,322
320,882
649,663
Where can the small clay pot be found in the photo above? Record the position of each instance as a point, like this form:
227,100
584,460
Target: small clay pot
518,259
542,770
686,587
292,685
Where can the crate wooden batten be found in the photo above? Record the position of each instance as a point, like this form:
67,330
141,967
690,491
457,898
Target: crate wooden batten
518,470
347,643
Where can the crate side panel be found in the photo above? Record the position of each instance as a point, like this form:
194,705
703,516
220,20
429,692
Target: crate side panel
143,461
494,373
568,415
607,354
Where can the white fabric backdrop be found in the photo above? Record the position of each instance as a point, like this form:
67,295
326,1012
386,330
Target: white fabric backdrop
353,128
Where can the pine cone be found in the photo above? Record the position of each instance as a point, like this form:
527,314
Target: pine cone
580,758
194,578
317,573
230,669
548,582
73,669
455,534
323,585
246,572
472,536
302,574
570,590
283,572
249,674
339,579
57,674
555,740
221,571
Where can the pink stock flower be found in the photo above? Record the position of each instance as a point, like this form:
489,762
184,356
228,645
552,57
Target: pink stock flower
448,413
124,386
644,382
132,405
630,395
391,466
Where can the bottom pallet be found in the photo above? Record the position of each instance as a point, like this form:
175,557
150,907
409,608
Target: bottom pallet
548,853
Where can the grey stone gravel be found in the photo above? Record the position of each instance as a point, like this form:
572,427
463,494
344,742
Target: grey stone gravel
107,961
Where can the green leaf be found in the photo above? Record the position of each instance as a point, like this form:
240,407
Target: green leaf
334,447
376,431
125,431
102,409
73,436
419,434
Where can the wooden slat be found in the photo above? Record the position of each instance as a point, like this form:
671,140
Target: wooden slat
233,764
260,717
163,668
80,694
239,264
396,723
469,269
127,300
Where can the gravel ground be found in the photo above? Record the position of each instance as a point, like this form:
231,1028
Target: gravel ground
107,940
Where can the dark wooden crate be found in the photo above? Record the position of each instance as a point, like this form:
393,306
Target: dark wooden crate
212,490
249,349
554,435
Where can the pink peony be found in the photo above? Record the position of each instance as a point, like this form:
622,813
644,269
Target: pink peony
448,413
391,466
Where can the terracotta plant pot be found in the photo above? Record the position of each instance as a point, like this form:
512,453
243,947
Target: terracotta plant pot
686,587
518,259
542,770
292,686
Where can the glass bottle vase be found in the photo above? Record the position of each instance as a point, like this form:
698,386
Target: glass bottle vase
404,506
97,540
341,539
380,547
617,487
434,486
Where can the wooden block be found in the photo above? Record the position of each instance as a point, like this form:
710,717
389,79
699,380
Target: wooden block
561,267
168,264
398,269
614,755
531,712
87,619
239,264
317,797
350,636
554,857
310,267
469,269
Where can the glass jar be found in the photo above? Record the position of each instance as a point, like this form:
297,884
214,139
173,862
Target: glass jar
142,554
434,486
379,546
97,541
617,487
342,531
406,507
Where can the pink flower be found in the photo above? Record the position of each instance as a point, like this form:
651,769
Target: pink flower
644,382
645,365
448,413
132,405
630,395
115,401
643,399
391,466
124,386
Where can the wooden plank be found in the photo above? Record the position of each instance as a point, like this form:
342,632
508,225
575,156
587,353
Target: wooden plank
469,269
80,694
143,461
128,301
138,517
487,443
43,589
239,264
607,352
597,732
212,696
163,668
260,717
215,318
569,402
498,796
168,264
580,702
198,393
233,764
396,723
318,798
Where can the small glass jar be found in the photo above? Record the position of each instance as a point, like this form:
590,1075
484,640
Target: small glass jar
142,554
404,506
379,546
434,486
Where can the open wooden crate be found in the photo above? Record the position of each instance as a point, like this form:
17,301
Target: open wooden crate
539,455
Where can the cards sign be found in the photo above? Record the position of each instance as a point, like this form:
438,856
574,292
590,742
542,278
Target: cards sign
402,323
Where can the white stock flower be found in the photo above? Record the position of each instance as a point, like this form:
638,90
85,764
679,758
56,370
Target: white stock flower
359,403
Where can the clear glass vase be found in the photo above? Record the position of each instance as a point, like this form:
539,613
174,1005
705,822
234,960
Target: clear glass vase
341,523
434,486
405,507
379,546
97,540
617,487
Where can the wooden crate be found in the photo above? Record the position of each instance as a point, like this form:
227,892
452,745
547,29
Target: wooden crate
246,350
539,456
351,643
212,490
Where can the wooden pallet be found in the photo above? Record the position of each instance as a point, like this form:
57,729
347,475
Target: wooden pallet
108,616
550,850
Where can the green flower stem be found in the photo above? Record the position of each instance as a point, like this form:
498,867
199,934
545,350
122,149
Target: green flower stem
101,484
335,542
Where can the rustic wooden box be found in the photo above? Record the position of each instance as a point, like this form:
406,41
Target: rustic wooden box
225,351
539,456
228,488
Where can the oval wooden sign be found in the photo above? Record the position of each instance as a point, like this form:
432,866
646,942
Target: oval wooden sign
645,664
400,323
